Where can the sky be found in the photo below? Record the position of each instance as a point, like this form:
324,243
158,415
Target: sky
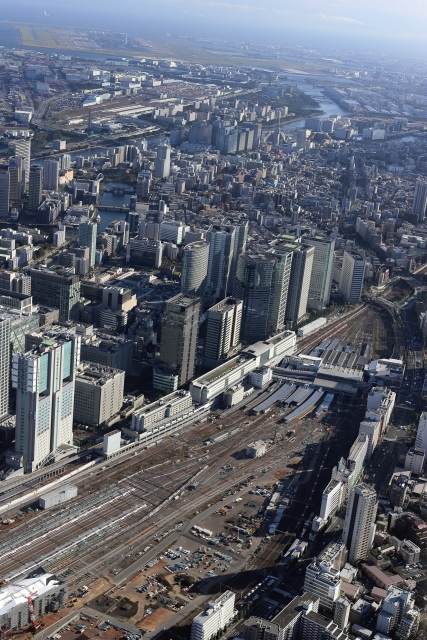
390,25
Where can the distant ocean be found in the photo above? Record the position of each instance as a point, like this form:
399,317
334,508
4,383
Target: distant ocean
156,21
9,37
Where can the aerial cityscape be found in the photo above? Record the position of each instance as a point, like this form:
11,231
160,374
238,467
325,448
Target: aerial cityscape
213,323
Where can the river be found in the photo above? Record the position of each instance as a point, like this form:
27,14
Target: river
328,107
110,200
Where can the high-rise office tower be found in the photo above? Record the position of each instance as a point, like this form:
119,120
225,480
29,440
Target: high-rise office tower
419,203
253,285
240,239
4,192
195,268
294,217
223,330
221,240
4,364
87,238
180,329
200,132
283,257
35,187
44,381
16,178
352,274
299,284
359,527
143,184
22,147
321,274
262,283
162,164
224,137
51,174
65,161
58,289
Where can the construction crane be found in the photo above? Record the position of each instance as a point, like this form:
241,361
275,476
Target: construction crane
307,438
31,610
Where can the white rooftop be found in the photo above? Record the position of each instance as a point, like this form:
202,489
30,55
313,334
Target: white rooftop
14,594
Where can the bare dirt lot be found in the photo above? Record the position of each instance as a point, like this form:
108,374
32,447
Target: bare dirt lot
156,619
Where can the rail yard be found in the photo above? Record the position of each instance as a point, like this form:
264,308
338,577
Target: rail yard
130,509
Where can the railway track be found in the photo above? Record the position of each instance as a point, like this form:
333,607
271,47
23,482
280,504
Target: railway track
153,475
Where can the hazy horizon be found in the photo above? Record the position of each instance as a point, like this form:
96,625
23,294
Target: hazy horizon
370,25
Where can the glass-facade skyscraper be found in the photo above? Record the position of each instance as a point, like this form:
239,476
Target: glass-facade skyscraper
87,238
262,283
44,381
4,363
57,289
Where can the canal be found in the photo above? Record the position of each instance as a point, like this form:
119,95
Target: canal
112,200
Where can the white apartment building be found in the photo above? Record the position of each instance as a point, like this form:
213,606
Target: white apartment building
414,461
421,439
344,477
214,618
398,614
372,428
342,612
223,330
356,457
359,527
410,552
322,577
331,498
51,175
382,399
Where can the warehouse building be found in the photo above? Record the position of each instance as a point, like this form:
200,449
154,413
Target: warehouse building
58,496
